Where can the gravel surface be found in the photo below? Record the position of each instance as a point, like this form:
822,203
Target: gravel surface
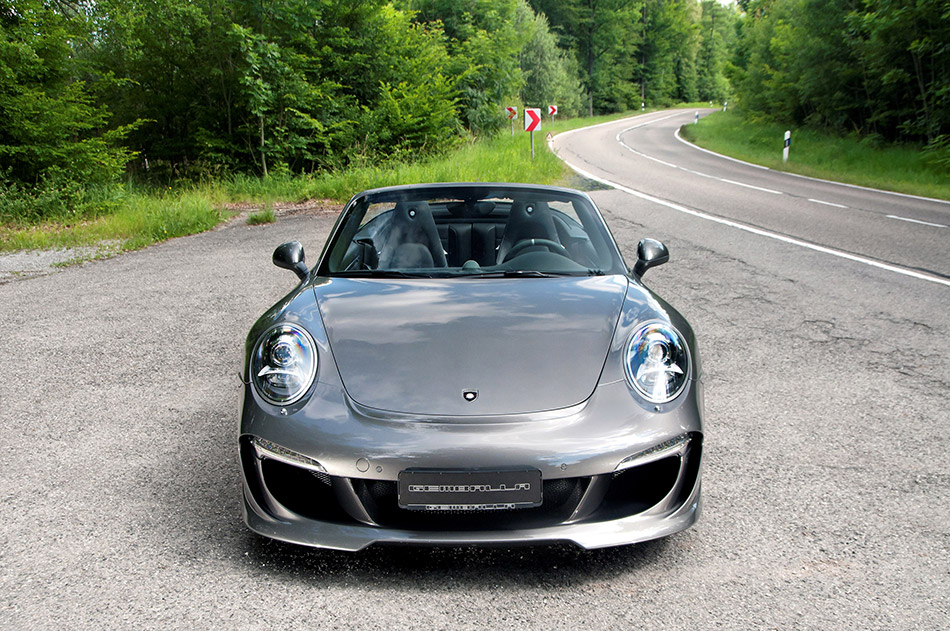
828,390
32,263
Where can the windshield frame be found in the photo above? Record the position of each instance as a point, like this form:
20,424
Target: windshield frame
588,219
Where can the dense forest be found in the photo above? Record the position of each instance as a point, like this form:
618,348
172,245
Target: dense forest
878,68
94,91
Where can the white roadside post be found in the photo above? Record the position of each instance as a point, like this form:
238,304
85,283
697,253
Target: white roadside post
643,106
788,143
512,113
724,104
532,123
697,118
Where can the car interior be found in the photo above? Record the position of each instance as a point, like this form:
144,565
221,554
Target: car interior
468,236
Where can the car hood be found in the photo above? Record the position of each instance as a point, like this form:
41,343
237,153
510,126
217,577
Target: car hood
524,345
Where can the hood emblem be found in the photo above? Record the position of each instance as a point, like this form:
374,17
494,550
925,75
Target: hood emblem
469,395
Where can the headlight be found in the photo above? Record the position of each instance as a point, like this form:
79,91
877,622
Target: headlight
657,362
284,364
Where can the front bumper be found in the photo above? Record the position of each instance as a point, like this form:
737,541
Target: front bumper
341,494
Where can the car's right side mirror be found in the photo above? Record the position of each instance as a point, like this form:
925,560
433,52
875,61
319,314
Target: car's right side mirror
650,253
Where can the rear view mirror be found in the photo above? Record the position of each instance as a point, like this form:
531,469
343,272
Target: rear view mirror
650,253
290,256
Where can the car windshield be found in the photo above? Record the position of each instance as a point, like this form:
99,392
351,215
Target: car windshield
471,231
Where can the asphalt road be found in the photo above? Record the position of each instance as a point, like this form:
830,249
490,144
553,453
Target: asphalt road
828,390
643,153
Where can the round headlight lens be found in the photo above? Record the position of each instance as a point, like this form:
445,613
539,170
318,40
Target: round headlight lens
657,362
284,364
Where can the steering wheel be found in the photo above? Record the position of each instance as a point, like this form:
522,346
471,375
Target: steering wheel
524,244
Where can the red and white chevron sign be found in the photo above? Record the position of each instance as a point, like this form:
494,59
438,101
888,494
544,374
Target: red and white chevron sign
552,110
532,118
512,112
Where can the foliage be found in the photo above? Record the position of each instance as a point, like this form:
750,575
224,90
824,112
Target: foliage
550,73
483,40
874,67
717,34
53,136
417,109
653,51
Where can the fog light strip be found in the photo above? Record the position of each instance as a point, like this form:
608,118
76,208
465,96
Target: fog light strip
267,449
673,447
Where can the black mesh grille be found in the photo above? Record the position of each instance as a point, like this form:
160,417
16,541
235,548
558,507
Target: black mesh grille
560,498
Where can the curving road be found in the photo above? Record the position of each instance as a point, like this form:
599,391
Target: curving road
645,153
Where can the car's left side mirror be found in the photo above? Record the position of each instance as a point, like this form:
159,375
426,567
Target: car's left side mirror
290,256
650,253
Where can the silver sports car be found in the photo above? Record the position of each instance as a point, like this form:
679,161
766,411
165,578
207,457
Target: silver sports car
471,364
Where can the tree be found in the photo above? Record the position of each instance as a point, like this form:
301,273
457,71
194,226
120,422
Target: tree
483,39
668,53
905,47
550,73
717,33
604,35
52,134
873,67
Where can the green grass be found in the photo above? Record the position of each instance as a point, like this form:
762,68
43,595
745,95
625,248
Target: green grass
901,168
137,221
262,217
135,217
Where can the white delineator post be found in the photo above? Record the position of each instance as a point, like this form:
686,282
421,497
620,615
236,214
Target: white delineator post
697,118
788,143
724,104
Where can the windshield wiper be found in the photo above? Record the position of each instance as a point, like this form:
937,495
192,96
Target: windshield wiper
526,273
379,273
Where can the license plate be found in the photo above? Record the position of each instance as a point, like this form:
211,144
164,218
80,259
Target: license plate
469,490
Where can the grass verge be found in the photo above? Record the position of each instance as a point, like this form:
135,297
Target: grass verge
900,168
142,217
138,220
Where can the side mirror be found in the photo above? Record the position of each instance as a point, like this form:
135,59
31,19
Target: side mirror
650,253
290,256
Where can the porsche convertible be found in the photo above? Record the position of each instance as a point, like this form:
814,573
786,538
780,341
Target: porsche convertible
471,364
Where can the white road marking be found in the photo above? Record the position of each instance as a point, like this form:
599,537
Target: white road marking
652,158
758,188
764,233
644,124
675,166
614,122
925,223
818,201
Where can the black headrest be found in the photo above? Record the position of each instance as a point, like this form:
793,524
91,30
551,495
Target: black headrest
470,209
412,212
